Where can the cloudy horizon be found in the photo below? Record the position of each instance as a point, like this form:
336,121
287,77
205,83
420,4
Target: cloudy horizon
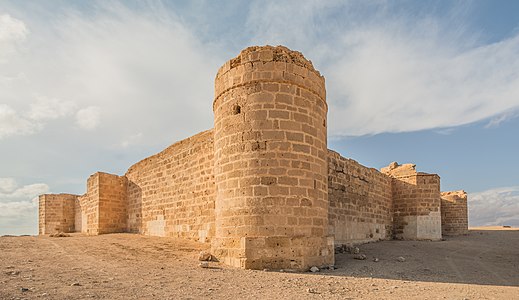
97,86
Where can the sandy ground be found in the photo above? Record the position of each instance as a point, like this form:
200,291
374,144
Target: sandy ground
481,265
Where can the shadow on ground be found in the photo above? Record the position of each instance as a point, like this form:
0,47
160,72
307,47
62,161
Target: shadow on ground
483,257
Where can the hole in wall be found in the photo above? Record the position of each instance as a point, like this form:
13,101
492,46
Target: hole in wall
236,110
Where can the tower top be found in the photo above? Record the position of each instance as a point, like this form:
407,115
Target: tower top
270,64
268,53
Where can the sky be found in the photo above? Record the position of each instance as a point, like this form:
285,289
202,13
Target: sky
89,86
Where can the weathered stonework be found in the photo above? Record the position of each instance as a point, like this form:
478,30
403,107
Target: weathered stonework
261,187
103,208
271,162
454,213
416,203
361,203
56,213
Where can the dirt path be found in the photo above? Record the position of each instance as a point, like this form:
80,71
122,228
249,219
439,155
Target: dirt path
482,265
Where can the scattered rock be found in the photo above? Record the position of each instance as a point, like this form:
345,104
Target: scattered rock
59,234
12,273
311,291
9,267
401,259
314,269
205,256
24,290
204,264
347,249
360,256
76,284
375,259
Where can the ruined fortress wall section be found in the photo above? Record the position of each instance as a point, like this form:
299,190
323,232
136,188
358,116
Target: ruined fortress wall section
454,213
56,213
79,220
172,193
87,208
416,205
361,207
271,162
112,203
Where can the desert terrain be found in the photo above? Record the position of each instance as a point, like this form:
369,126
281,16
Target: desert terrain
481,265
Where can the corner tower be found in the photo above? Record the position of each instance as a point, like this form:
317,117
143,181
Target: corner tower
271,171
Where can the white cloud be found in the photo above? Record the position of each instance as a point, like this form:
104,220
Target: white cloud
395,81
12,32
7,185
133,139
391,72
49,109
11,123
9,190
498,206
88,118
497,120
17,209
145,69
19,206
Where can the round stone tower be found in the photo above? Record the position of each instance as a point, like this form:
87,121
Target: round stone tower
271,169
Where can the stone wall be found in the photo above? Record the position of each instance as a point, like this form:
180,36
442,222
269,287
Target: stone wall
361,206
416,203
271,161
87,212
56,213
112,203
454,213
102,209
172,193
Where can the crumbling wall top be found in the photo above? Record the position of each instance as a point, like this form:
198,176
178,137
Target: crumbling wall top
452,196
405,170
395,169
265,54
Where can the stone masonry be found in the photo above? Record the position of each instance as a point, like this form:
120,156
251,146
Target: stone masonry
262,188
454,213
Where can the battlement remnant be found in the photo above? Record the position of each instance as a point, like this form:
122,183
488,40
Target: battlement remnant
261,186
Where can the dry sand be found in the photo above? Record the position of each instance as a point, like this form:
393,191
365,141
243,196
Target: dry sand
481,265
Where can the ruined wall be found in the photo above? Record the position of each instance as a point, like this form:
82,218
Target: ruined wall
102,209
271,161
454,213
416,203
172,192
56,213
360,201
87,212
112,203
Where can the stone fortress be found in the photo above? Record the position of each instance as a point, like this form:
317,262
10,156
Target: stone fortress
261,187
